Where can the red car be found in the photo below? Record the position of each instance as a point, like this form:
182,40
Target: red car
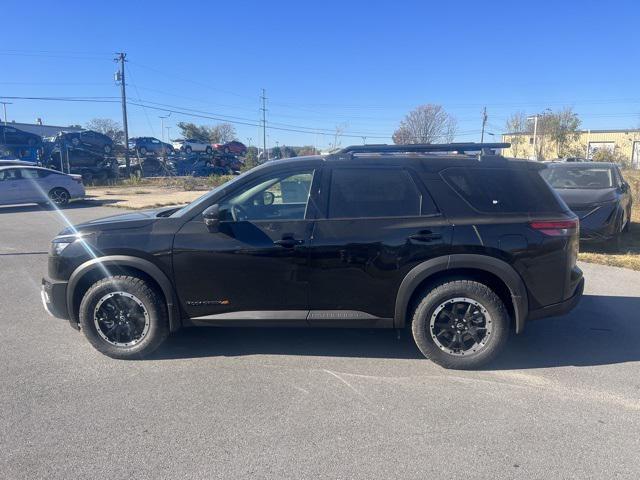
234,147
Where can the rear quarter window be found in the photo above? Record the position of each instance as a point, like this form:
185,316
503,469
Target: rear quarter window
503,190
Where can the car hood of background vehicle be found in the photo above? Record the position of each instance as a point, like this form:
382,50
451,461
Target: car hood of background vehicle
575,197
126,220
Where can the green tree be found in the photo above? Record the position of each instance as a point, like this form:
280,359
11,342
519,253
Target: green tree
288,152
251,158
220,133
193,131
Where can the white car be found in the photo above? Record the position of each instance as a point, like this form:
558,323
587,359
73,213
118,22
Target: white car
20,184
191,145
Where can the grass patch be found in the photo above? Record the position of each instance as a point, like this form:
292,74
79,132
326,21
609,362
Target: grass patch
178,183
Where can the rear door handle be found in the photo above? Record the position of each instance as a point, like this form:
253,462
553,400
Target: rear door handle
288,242
425,236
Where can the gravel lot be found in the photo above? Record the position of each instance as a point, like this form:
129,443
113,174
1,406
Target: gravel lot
563,402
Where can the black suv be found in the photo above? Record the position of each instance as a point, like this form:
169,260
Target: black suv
460,248
87,139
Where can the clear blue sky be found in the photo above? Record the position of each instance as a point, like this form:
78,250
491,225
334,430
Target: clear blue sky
361,65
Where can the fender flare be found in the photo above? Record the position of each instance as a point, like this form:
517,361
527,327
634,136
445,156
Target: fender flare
495,266
126,261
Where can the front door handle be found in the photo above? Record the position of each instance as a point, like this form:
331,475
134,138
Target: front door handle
288,242
425,236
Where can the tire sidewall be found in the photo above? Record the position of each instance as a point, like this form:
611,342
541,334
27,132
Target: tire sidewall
157,318
61,204
422,331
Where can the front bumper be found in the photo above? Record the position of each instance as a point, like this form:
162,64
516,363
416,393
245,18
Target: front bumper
561,308
54,298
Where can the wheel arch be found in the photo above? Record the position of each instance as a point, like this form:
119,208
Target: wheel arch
496,273
95,269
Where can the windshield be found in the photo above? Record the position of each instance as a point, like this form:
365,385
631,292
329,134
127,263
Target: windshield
579,177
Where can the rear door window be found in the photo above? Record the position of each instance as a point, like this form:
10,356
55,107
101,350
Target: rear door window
373,193
30,173
502,190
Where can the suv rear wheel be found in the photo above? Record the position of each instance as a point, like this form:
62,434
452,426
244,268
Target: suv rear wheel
123,317
460,324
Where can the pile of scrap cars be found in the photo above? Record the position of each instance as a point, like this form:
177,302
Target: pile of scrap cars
98,159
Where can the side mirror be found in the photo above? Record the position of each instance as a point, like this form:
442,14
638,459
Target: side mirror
211,217
268,198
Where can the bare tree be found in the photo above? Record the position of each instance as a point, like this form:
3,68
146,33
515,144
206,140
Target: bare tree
108,127
517,128
222,133
426,124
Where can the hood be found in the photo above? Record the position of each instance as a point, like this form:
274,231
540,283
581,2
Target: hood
126,220
580,197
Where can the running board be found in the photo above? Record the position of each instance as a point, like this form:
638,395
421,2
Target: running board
296,318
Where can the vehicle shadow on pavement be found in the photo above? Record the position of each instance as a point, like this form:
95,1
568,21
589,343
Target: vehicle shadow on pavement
331,342
79,204
601,330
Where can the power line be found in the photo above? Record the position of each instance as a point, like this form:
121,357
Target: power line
67,99
251,124
143,108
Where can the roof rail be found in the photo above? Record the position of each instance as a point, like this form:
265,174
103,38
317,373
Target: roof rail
423,147
483,148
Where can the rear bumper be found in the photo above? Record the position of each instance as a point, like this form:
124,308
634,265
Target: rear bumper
561,308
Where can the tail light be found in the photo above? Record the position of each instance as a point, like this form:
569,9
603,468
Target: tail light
557,228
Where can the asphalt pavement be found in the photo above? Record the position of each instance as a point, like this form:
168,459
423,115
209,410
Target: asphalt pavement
562,402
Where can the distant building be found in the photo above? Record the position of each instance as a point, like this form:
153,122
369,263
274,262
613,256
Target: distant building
43,130
625,143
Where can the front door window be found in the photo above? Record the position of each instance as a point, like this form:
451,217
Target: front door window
283,197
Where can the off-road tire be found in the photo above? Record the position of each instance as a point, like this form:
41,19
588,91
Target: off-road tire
420,324
153,303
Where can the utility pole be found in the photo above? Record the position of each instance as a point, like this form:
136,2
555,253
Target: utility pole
123,92
162,117
535,137
264,125
484,123
4,106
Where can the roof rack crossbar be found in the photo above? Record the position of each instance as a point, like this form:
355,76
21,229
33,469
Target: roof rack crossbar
423,147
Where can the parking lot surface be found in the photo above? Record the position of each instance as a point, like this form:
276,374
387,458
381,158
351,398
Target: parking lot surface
562,402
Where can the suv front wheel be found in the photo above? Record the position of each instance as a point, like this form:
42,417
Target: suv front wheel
123,317
461,325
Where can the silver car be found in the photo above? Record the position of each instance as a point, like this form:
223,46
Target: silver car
190,145
20,184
